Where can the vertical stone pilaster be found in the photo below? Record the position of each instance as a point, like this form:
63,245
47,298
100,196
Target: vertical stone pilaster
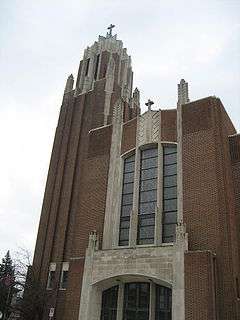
178,292
87,292
111,222
158,212
95,305
179,165
181,244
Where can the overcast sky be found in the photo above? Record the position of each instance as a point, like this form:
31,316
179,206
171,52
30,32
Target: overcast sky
42,42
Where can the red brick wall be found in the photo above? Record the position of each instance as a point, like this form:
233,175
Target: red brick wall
208,194
199,286
43,224
169,125
235,158
78,172
129,135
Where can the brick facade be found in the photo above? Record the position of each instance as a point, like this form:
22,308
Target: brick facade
78,181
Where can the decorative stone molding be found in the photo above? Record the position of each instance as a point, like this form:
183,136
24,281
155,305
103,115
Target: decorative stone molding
106,268
113,46
93,241
149,127
181,234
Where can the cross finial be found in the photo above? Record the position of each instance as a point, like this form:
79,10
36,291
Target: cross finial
149,103
109,34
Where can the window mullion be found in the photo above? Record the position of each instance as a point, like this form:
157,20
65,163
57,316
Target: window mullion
134,214
159,207
120,301
152,301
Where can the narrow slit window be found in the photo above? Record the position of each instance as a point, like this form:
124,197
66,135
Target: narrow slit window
127,200
96,67
87,67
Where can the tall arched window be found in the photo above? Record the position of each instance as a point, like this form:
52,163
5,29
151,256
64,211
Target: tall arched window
109,304
148,190
127,200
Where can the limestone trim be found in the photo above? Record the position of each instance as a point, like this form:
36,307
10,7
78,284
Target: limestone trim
99,128
149,127
181,236
157,265
179,165
113,46
114,182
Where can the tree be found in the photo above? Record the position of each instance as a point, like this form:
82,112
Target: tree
30,298
21,294
7,279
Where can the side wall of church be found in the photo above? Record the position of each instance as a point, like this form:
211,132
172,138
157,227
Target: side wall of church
199,286
235,159
208,203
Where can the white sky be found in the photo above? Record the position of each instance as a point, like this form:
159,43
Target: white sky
42,42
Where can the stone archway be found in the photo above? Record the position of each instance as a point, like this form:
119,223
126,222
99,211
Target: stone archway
92,309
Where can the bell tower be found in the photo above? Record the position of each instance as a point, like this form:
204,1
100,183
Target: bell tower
106,70
79,168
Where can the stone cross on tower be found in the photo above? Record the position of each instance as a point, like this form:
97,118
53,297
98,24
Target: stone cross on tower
109,34
149,103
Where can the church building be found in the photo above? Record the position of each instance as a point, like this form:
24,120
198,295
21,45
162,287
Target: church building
141,213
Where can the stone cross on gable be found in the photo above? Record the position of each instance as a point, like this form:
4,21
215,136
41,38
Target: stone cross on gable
149,103
109,34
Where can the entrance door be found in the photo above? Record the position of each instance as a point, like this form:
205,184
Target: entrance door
136,301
